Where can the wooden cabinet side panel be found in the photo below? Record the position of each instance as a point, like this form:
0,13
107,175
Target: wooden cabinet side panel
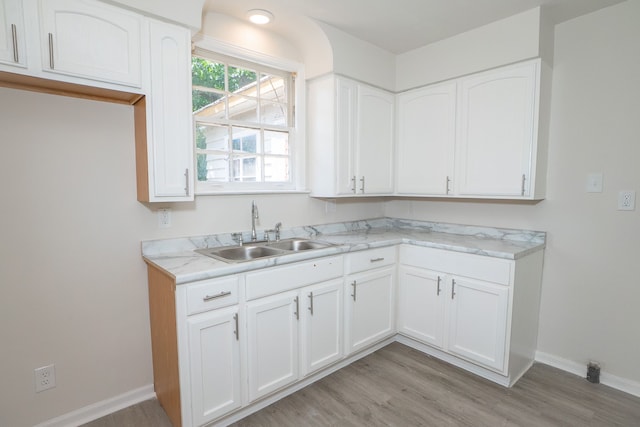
164,343
142,159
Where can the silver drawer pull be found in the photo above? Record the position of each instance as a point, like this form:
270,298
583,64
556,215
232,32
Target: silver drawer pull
376,259
51,63
220,295
14,39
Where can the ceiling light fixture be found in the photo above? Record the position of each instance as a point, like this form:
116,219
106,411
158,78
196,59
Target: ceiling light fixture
260,16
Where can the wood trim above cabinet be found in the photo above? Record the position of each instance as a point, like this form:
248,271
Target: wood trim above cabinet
54,87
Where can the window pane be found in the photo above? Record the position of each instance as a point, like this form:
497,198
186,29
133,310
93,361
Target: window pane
272,89
276,142
208,104
246,169
243,108
276,169
207,73
212,137
245,140
240,78
213,167
273,114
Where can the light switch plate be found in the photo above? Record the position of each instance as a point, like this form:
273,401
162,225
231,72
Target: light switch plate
594,182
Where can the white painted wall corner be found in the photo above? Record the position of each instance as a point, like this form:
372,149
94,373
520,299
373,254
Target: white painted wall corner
100,409
619,383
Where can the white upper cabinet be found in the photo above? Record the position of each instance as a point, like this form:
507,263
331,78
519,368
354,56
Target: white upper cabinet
474,137
169,142
90,39
12,33
350,132
374,141
498,131
426,140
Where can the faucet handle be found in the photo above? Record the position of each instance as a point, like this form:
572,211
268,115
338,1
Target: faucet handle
237,237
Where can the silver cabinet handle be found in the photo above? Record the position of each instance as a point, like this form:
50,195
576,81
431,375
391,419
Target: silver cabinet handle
438,288
353,184
14,39
523,179
447,188
186,181
376,259
354,284
237,331
311,302
212,297
51,63
453,288
297,313
362,186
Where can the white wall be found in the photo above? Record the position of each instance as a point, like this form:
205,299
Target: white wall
72,279
590,287
502,42
359,59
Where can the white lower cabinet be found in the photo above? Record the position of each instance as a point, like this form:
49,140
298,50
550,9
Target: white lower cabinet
321,313
478,321
463,316
369,298
421,304
223,347
475,308
293,334
214,357
272,348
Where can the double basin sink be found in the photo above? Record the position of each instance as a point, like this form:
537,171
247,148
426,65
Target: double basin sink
257,250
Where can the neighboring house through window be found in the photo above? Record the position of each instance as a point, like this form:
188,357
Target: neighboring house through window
244,124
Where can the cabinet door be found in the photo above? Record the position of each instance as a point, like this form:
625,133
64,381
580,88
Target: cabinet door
498,124
421,302
374,141
426,140
92,40
169,114
272,346
12,45
345,137
478,321
369,307
322,330
214,353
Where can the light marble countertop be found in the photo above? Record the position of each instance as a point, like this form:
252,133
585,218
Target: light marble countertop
177,256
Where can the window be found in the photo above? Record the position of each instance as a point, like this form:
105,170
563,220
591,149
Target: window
244,125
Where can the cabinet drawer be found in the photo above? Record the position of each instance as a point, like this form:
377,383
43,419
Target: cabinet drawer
212,294
280,279
372,258
494,270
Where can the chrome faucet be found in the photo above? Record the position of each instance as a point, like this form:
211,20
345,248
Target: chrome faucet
277,230
254,217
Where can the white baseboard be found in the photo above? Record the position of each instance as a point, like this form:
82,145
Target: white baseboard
619,383
100,409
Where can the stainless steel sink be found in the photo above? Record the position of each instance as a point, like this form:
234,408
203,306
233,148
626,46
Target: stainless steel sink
259,250
299,245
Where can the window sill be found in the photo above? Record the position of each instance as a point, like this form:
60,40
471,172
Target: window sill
249,191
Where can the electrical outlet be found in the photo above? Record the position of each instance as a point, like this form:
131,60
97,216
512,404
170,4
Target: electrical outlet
45,378
626,200
164,218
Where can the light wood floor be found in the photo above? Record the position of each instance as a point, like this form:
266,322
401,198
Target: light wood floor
398,386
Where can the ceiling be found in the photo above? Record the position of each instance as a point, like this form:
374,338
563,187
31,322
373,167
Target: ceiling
402,25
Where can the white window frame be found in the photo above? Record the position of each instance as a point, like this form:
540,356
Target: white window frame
297,137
